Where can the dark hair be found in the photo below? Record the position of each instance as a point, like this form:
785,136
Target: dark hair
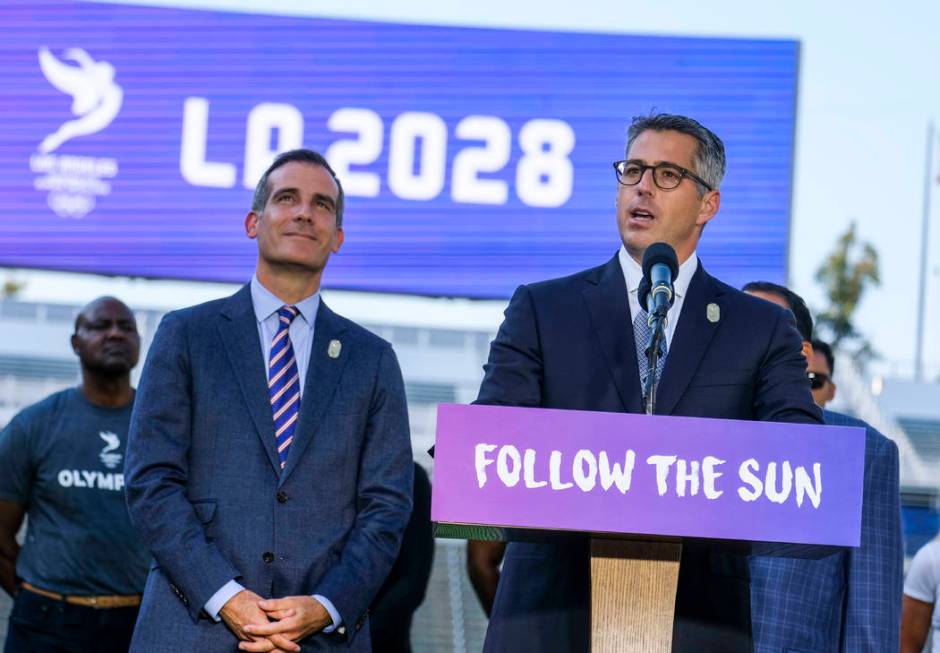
709,155
263,191
804,319
826,351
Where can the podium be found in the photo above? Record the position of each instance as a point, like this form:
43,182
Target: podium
639,486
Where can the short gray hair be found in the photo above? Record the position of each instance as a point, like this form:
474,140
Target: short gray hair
709,157
263,191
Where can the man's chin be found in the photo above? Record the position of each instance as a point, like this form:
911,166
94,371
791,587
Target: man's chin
113,368
299,264
636,244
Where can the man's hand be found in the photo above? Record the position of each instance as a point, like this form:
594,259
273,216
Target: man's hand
295,617
483,560
243,611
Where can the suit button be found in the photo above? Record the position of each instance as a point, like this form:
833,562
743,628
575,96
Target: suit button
282,497
267,556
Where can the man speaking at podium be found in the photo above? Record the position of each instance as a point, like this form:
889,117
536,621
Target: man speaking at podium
578,343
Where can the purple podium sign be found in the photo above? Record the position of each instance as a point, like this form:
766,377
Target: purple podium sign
623,473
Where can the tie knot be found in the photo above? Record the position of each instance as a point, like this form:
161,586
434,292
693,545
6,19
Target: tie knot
287,313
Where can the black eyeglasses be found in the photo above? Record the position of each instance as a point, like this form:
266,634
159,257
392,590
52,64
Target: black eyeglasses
666,176
817,379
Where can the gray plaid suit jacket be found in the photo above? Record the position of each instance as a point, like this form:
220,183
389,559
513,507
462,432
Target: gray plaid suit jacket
849,601
207,495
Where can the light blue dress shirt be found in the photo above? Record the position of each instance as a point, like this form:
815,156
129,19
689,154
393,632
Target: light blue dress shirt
266,306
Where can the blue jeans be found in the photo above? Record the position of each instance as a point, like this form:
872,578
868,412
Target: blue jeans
42,625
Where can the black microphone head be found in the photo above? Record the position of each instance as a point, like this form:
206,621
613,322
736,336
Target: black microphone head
660,253
643,293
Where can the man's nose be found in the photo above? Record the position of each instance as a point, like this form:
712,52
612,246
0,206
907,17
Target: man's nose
115,331
646,183
304,212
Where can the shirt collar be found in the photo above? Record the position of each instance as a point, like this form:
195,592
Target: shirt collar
266,303
633,272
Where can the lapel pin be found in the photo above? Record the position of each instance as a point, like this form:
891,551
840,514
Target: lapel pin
334,349
713,312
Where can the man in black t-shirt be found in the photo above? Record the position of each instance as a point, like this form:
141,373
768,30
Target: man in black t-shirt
77,581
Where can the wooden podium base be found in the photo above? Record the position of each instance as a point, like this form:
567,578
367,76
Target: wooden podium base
633,595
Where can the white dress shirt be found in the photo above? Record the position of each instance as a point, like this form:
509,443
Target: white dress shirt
633,274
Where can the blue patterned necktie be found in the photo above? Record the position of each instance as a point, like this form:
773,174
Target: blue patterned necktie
641,334
284,383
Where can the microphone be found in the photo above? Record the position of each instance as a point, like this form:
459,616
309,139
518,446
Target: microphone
660,268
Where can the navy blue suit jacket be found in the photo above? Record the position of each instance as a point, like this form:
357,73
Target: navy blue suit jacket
207,495
848,602
568,343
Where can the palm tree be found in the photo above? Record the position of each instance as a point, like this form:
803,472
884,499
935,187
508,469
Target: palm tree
846,274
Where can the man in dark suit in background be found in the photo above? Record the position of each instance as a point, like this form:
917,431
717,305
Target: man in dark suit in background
849,601
403,591
578,342
269,465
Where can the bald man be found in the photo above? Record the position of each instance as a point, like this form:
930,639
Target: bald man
77,581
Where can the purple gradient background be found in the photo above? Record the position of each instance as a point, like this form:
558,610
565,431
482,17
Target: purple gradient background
155,224
457,497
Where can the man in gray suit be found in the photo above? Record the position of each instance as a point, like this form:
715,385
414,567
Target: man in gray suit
269,464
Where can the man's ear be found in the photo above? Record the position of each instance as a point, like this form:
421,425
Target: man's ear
74,341
711,202
338,238
251,224
807,351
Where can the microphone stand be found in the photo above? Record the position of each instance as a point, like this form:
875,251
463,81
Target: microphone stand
657,322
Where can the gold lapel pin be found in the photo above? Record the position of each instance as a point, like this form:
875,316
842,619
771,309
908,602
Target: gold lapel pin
334,349
713,312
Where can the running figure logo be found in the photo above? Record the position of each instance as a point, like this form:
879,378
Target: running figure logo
96,98
107,455
75,181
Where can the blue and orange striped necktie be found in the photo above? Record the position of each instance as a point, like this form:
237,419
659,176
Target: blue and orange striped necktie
284,383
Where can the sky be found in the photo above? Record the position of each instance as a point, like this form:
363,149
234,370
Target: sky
867,92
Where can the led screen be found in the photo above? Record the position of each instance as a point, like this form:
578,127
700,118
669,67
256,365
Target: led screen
473,159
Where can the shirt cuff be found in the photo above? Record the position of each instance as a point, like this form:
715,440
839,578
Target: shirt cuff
215,604
334,615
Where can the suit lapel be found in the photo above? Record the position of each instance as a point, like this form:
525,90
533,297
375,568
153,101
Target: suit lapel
693,334
323,376
239,331
609,307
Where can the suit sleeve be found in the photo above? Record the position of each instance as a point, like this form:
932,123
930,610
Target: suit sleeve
513,373
157,471
383,500
782,393
405,587
875,569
